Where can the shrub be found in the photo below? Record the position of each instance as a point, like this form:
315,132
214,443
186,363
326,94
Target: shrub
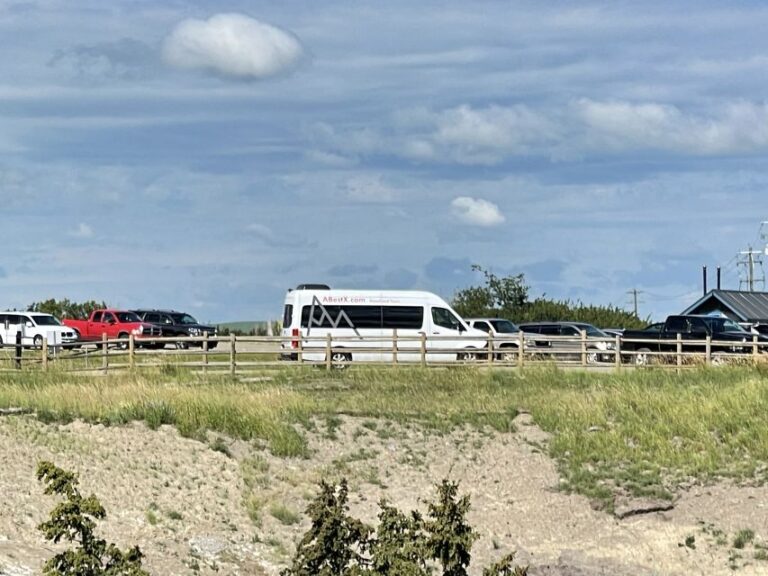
74,520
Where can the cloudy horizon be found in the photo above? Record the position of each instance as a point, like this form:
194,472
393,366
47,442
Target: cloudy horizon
208,156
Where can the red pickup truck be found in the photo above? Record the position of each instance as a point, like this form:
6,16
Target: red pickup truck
116,324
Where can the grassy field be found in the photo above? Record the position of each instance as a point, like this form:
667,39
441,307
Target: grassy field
644,432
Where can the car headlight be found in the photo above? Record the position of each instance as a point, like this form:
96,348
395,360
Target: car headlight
139,330
194,331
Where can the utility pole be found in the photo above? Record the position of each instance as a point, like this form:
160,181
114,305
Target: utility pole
749,259
634,292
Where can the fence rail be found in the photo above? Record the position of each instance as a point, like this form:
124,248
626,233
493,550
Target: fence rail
242,354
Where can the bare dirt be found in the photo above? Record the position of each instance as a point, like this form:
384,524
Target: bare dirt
187,505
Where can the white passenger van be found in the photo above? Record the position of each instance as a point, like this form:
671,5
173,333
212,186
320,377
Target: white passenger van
34,327
361,321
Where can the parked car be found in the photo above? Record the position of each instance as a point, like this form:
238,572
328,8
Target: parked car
34,327
563,340
726,337
174,323
116,325
505,333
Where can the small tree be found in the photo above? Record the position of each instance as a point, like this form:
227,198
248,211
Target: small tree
335,543
450,538
398,549
66,308
74,520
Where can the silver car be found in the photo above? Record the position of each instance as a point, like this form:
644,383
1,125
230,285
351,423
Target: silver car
562,340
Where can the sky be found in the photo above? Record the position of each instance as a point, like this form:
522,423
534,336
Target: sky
207,155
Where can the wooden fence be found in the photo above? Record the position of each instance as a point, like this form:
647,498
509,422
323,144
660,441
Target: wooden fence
242,354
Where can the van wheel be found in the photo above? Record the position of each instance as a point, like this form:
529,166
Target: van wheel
592,357
37,342
643,357
340,360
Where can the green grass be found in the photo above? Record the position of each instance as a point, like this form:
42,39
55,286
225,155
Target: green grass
642,431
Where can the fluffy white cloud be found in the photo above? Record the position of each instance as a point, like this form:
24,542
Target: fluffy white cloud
233,45
736,128
476,211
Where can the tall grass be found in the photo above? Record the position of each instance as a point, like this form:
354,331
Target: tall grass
643,431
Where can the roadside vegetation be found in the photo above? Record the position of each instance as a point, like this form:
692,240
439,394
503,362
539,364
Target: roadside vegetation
639,432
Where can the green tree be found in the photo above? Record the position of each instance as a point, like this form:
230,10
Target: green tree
66,308
450,537
399,548
335,543
507,297
74,520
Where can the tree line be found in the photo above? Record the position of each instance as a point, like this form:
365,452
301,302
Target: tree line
509,297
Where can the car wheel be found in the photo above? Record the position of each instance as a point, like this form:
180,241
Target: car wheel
181,345
470,355
719,359
37,342
123,341
509,354
643,357
592,357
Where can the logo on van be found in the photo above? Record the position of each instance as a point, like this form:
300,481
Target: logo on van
326,318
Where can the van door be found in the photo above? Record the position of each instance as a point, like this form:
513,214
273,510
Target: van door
444,335
409,323
14,325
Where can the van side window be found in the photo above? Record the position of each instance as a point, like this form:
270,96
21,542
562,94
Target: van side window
287,315
403,317
444,318
342,317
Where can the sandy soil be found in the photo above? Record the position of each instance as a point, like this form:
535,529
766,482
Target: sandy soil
187,505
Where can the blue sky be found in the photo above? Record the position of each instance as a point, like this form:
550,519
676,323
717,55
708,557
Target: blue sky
205,156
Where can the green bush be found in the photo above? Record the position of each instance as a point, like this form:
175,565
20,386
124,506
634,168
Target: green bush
405,545
74,520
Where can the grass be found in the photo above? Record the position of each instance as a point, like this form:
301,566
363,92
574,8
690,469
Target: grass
639,431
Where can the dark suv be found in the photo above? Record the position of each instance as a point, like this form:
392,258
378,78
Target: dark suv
562,340
178,324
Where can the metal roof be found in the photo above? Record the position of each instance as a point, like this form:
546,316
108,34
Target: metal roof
746,306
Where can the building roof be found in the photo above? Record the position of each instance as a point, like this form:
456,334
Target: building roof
736,304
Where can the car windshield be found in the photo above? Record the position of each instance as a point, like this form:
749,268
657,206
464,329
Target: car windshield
128,317
504,327
183,319
723,325
46,320
592,331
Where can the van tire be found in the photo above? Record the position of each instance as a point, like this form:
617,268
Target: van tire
340,360
123,341
37,342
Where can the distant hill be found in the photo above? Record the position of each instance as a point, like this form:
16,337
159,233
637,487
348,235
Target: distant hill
245,327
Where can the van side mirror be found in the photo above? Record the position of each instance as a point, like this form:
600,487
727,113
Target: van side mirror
29,324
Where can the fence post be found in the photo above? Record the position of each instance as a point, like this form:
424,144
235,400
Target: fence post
132,351
394,346
232,354
520,349
708,350
104,353
205,352
754,348
583,347
679,349
328,351
18,351
44,350
300,348
617,348
490,349
423,346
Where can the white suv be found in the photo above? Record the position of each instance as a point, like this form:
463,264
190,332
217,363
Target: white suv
505,334
34,327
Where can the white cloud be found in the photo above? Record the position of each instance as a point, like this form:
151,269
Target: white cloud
233,45
82,231
737,127
476,211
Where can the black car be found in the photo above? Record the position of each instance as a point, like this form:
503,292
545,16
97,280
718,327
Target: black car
176,323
